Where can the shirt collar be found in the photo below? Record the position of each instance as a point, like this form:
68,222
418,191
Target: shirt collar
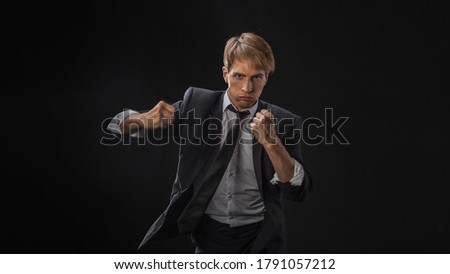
227,101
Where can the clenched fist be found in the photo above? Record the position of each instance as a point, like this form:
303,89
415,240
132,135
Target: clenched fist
263,127
160,116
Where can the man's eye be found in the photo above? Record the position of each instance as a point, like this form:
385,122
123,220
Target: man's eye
238,76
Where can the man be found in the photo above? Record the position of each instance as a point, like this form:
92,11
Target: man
228,192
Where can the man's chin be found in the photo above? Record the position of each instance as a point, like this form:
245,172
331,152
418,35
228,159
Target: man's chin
243,104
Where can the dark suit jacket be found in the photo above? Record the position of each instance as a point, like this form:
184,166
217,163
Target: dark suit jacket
194,160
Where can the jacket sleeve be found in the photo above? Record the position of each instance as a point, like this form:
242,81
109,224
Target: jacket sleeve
158,136
292,142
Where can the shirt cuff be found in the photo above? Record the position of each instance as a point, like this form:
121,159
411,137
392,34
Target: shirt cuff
114,125
297,179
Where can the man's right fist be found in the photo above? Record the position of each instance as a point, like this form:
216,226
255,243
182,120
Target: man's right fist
160,116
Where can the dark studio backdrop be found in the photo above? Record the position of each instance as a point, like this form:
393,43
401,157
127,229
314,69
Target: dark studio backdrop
74,65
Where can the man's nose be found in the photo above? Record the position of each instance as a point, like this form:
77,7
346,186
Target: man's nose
247,86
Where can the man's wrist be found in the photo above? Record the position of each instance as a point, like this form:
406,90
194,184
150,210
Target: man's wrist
133,122
272,143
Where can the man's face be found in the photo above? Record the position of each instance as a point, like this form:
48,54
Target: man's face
245,83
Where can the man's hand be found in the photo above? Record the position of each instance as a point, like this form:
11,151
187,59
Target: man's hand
160,116
263,127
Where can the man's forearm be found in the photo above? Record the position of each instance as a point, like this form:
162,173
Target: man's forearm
131,124
281,160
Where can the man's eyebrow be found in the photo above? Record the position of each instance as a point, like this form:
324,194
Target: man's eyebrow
240,73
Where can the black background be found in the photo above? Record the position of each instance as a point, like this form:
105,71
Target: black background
71,65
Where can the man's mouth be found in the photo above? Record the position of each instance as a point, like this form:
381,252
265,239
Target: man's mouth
246,98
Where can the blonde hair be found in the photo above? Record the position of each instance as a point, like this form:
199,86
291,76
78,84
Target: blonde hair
251,47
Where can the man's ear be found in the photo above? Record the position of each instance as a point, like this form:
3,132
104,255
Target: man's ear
267,78
225,74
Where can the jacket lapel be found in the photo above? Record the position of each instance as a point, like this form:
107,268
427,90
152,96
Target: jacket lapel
257,153
209,151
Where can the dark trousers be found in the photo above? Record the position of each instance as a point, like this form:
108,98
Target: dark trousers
217,238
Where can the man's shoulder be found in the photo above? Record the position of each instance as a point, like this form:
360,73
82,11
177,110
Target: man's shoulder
200,98
198,91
